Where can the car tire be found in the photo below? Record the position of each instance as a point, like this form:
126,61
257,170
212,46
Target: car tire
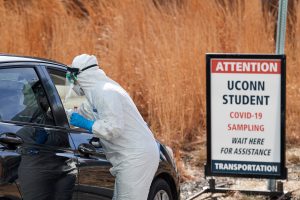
160,190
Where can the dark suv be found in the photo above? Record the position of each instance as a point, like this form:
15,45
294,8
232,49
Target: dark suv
41,155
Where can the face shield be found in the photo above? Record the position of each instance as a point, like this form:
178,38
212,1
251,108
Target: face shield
72,82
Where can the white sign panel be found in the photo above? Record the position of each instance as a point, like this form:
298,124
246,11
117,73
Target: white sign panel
245,115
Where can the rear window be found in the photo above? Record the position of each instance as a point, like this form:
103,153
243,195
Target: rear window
23,98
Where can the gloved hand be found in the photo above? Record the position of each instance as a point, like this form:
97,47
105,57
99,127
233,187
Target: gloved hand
81,122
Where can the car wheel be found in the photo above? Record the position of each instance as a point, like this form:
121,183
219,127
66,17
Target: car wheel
160,190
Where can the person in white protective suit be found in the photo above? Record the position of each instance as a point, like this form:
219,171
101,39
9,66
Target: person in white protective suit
112,116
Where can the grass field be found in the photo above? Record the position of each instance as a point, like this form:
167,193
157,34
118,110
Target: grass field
156,49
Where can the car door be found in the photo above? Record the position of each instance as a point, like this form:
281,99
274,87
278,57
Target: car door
95,180
36,152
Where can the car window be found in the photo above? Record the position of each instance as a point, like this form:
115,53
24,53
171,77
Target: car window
70,100
23,98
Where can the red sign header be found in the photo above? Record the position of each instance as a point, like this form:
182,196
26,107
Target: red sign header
246,66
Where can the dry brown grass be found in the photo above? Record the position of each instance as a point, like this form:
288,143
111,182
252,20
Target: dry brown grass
155,50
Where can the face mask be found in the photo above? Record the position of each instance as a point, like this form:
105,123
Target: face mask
78,90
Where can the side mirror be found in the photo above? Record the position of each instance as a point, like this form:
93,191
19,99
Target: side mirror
87,149
10,140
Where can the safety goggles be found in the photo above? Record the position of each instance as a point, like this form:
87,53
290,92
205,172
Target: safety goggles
71,76
72,73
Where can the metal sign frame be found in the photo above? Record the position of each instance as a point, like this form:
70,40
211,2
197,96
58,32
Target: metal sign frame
208,166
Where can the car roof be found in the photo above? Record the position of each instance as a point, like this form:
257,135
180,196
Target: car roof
8,58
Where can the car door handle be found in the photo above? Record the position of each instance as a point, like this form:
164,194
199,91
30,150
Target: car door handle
87,150
10,139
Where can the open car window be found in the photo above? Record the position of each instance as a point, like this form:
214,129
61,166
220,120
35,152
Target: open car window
70,100
68,97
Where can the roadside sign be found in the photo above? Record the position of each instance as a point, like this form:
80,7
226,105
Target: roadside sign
246,115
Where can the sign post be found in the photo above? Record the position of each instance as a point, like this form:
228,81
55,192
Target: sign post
280,41
281,26
246,115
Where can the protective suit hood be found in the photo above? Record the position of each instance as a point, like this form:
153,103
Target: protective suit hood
84,60
88,78
83,66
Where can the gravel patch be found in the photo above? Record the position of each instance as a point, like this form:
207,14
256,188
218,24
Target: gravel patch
190,188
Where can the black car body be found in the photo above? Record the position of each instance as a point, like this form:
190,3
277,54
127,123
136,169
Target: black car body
41,156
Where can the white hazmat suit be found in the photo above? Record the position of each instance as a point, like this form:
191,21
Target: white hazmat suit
127,141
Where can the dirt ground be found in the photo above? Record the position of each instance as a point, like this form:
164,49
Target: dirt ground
195,174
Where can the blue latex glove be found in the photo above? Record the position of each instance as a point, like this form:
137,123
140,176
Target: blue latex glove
81,122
